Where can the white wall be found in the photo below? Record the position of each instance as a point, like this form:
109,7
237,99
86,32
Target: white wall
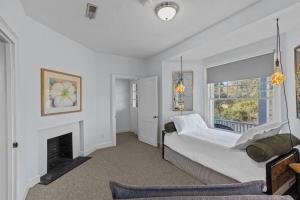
122,105
291,40
39,47
198,87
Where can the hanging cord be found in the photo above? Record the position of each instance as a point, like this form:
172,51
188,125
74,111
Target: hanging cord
181,69
278,61
181,79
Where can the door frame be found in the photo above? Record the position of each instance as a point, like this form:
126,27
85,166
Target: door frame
114,77
11,41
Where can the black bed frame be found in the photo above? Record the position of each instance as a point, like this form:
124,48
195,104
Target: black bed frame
280,162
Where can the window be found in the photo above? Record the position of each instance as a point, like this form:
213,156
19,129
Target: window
242,104
134,95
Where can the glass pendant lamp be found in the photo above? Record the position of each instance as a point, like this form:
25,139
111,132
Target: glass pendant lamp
180,86
277,77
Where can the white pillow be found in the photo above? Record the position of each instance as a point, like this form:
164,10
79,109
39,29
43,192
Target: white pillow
257,133
188,123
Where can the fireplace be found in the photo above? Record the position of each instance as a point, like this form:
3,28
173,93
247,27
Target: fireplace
59,151
60,157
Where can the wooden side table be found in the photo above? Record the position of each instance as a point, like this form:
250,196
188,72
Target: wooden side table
296,168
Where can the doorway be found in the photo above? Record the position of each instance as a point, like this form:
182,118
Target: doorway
8,157
126,112
134,108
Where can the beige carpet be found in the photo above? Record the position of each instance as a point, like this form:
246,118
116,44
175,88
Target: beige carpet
130,162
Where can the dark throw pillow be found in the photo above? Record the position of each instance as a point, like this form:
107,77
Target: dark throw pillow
264,149
120,191
170,127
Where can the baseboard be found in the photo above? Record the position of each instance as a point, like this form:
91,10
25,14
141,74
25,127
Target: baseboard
32,182
148,140
98,146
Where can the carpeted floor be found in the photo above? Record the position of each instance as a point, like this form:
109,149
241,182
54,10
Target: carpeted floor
130,162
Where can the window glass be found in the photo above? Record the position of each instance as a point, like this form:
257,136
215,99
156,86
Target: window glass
241,104
134,95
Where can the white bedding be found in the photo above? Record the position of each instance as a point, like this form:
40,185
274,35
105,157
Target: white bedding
212,148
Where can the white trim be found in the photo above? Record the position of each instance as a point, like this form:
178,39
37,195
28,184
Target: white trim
97,147
149,140
113,102
35,180
12,61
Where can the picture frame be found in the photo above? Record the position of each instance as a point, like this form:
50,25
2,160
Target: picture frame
183,102
61,92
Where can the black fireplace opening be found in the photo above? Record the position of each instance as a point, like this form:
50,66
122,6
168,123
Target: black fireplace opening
60,158
59,151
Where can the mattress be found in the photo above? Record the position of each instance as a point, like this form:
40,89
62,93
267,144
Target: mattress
212,148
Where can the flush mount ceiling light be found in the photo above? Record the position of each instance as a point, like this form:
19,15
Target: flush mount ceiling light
166,10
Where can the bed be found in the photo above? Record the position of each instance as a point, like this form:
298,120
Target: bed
211,158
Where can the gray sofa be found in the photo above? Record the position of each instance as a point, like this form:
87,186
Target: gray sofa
239,191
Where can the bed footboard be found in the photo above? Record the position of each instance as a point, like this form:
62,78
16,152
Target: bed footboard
280,178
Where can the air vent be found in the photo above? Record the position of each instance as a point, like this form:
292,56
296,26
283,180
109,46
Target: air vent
91,11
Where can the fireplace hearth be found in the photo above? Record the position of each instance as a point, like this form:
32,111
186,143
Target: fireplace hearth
60,158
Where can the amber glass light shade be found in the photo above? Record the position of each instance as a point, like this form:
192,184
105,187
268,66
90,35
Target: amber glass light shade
180,88
277,77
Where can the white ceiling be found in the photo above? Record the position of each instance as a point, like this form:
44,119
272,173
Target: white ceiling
260,33
126,27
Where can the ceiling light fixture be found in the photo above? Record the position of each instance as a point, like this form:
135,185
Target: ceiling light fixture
166,11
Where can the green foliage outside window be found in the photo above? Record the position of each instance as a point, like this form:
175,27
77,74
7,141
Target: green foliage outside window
239,100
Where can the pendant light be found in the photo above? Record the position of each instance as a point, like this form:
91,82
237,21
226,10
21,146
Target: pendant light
180,86
277,77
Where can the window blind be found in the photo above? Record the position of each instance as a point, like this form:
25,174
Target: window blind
259,66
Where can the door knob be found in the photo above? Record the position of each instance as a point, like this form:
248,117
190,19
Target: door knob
15,145
155,117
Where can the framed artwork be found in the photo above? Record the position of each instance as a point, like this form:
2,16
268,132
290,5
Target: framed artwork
60,93
183,102
297,76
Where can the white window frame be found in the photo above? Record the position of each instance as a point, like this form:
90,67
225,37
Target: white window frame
209,111
131,95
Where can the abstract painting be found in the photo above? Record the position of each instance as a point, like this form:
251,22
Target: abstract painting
183,102
60,92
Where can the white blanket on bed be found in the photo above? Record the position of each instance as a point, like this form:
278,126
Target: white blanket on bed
212,148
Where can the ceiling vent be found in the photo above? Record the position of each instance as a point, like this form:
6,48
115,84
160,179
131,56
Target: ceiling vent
91,11
146,2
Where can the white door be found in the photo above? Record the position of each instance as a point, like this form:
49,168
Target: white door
148,110
3,134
